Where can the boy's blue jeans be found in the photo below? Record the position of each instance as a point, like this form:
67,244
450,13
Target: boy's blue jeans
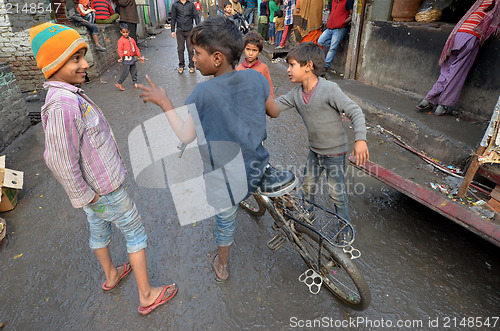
115,207
225,226
331,38
90,17
335,167
279,34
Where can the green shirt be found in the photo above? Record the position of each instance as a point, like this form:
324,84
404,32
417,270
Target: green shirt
273,7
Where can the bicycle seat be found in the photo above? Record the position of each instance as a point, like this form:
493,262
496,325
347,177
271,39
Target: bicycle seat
275,183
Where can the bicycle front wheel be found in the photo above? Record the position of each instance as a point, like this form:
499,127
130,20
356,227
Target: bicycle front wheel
253,205
340,274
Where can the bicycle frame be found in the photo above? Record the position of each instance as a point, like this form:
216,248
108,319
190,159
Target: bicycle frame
286,227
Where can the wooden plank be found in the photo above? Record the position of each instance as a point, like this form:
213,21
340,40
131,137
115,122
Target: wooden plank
496,193
456,212
471,172
495,204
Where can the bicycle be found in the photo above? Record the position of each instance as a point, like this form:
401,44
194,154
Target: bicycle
323,244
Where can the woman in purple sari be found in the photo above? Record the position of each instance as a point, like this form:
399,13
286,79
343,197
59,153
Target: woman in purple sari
478,24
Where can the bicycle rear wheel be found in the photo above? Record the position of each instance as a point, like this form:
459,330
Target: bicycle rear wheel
253,205
340,274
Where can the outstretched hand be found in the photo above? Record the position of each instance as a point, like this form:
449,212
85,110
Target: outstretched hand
361,152
152,93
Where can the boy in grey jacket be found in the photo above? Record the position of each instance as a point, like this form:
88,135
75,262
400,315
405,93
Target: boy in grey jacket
321,103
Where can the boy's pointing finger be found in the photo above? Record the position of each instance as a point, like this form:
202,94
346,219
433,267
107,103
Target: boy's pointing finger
150,81
141,87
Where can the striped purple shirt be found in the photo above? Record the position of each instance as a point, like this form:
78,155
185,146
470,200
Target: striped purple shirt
80,147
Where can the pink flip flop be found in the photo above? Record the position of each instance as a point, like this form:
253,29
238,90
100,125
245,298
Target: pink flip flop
126,270
158,302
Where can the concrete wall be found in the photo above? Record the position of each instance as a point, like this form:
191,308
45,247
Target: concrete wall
16,18
405,56
13,111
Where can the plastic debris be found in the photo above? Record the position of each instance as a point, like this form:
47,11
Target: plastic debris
18,256
440,187
277,60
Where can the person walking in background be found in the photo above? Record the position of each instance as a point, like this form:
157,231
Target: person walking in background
82,153
127,50
104,12
263,27
289,6
458,55
183,15
129,15
336,28
197,4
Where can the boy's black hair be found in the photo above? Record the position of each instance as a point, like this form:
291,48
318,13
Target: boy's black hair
124,26
305,52
279,13
219,33
254,38
227,3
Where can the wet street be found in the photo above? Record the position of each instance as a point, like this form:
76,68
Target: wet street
424,271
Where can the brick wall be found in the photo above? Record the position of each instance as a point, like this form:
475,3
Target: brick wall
16,18
108,37
13,111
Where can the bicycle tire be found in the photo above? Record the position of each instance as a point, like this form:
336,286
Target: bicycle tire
344,271
253,205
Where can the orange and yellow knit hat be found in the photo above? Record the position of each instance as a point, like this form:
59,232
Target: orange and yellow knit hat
53,44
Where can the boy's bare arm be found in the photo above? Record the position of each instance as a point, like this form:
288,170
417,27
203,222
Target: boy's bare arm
361,152
272,108
184,130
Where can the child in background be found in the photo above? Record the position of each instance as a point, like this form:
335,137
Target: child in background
74,17
273,7
228,9
253,47
288,7
279,23
263,27
82,153
237,118
320,103
128,50
86,11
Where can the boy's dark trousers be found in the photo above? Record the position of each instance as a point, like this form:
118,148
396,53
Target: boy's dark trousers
126,68
183,38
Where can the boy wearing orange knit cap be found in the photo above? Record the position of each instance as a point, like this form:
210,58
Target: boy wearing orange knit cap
82,153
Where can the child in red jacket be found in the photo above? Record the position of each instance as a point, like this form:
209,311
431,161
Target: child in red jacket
128,50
